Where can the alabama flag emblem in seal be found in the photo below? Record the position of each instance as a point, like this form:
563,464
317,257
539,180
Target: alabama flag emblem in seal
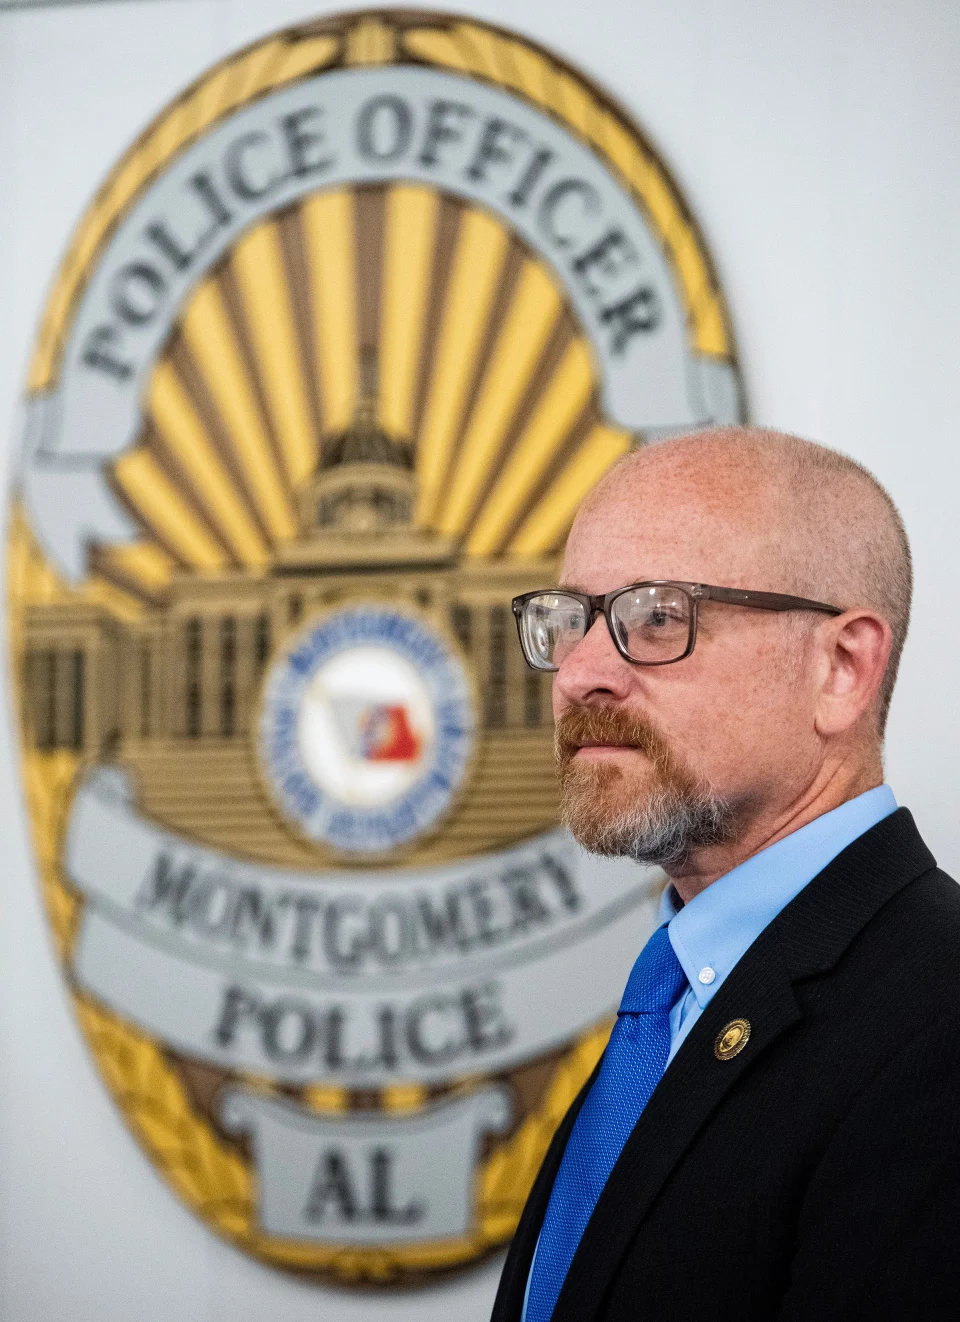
334,354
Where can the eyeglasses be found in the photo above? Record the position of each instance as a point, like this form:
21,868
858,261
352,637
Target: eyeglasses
651,624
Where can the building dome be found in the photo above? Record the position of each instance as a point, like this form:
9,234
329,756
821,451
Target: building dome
364,482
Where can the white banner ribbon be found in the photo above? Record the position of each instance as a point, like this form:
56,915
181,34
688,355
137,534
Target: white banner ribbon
355,126
367,1178
349,977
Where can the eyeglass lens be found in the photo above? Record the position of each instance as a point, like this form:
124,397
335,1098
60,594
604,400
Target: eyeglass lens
651,624
552,625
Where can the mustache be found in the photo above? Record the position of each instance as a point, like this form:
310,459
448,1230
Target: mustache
580,726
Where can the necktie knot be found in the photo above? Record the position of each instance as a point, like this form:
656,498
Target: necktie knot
656,979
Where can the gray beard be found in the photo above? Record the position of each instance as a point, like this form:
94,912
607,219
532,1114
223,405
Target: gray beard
663,831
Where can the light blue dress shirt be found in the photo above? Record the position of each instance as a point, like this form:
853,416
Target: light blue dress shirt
711,933
718,926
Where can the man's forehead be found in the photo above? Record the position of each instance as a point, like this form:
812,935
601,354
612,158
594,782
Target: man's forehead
663,534
699,482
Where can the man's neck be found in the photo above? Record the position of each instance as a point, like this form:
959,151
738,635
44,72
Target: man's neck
831,787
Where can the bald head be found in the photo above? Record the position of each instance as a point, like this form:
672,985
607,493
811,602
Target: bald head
794,517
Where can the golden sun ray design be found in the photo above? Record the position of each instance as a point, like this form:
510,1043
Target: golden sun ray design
477,361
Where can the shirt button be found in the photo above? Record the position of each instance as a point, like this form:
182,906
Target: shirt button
707,975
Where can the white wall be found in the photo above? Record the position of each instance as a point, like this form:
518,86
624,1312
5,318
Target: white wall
818,144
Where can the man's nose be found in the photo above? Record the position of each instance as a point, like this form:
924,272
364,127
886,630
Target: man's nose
594,670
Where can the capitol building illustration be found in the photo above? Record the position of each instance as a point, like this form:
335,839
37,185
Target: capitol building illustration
175,697
330,423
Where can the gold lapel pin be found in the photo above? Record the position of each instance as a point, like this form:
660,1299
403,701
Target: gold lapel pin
732,1039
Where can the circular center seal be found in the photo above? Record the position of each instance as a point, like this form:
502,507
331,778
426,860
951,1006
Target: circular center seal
366,730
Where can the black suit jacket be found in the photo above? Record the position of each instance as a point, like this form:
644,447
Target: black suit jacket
816,1175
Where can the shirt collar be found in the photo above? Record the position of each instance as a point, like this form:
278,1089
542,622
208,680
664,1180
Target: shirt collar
712,931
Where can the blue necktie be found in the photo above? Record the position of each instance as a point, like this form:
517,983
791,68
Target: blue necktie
633,1065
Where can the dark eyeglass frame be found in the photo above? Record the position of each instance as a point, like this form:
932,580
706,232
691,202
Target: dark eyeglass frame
694,592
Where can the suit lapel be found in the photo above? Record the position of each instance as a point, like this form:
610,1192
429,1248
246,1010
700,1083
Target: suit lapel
806,939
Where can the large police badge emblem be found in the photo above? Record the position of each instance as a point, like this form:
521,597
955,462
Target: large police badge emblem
334,354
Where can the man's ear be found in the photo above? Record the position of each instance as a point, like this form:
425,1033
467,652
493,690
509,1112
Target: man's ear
854,651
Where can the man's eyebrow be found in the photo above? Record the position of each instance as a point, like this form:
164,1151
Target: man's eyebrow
573,587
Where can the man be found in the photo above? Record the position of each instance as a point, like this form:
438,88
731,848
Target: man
774,1129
